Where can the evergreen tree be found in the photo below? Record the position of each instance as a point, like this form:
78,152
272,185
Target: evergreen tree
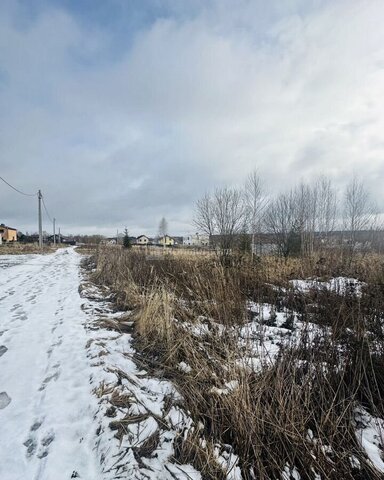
126,240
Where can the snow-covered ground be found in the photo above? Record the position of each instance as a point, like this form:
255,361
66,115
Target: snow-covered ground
339,285
46,405
64,378
139,416
73,401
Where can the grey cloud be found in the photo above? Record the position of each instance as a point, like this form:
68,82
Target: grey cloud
189,102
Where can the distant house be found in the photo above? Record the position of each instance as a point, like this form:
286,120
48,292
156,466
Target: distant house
34,238
178,240
61,239
7,234
111,241
133,240
196,240
263,243
142,240
167,241
67,240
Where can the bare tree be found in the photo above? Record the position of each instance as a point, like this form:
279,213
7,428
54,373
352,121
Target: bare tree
255,204
204,215
291,219
283,220
327,208
304,207
359,212
229,214
313,208
163,227
222,214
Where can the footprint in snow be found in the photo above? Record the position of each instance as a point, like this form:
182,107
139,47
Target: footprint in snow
3,349
36,446
36,425
48,439
45,442
31,446
46,380
5,400
58,343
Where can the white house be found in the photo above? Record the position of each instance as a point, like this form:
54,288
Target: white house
196,240
142,240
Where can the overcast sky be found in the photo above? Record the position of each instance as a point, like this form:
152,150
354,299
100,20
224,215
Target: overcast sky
124,111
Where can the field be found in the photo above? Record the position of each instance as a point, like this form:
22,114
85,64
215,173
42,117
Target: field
24,249
279,363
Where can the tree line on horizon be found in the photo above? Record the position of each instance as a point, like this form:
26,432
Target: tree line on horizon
297,221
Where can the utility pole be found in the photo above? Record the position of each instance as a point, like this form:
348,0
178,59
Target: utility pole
59,236
39,196
54,231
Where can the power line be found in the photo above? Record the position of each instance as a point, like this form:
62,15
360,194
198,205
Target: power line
46,210
17,190
41,200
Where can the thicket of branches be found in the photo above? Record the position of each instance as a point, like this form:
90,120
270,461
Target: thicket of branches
296,222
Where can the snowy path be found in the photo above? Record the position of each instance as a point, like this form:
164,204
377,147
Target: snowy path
47,429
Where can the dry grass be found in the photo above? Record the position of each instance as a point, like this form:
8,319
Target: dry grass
23,249
298,411
86,249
